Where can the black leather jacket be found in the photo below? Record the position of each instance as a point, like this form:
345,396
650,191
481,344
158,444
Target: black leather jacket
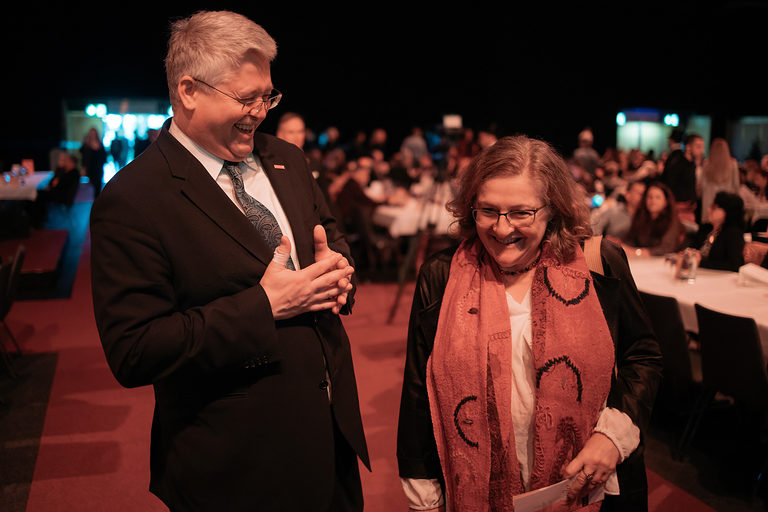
633,391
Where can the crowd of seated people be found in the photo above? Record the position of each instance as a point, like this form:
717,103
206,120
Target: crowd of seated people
368,170
680,192
652,205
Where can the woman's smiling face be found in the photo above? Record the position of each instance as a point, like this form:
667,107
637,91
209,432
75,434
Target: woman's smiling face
512,247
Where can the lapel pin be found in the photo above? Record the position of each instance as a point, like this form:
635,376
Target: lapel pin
279,166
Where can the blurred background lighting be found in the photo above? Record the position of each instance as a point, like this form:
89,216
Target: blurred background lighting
155,121
671,120
113,121
129,123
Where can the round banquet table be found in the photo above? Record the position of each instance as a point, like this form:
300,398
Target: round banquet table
719,290
24,188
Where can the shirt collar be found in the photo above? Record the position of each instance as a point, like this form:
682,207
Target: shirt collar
522,308
211,163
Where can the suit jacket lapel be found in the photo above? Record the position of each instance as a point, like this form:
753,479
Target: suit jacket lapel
203,192
285,189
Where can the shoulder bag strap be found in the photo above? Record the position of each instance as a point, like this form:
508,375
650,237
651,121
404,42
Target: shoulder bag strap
592,254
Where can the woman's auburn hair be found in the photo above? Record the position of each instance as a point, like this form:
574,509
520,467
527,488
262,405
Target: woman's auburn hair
567,202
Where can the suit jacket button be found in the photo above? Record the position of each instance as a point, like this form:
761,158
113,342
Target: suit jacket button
323,385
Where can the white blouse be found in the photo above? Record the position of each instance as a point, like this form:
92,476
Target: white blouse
426,494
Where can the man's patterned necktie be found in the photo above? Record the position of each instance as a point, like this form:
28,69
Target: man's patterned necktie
261,218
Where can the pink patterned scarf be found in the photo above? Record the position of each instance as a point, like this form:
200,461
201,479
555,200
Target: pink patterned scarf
469,376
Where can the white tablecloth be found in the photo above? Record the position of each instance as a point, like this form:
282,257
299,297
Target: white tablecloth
407,219
715,289
24,188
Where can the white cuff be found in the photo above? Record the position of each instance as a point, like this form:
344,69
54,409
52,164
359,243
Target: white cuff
618,427
612,485
422,493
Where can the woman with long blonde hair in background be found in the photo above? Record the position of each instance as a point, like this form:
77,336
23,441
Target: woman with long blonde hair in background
720,172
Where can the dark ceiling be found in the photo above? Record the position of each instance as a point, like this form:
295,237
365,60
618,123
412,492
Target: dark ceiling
544,69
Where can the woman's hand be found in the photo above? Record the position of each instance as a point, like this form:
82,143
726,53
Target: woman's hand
592,466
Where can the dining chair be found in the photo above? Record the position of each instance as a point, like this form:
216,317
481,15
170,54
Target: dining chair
8,290
732,364
732,357
681,387
754,252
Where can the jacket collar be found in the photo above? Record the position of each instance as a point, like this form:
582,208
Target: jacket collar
197,185
280,175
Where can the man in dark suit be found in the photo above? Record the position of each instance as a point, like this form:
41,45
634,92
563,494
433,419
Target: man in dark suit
256,403
680,175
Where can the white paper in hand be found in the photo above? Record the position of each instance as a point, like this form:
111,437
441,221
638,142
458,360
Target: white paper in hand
540,499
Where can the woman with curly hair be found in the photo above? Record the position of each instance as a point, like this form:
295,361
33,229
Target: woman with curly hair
525,367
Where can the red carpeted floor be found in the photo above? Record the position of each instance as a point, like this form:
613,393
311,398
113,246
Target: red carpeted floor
93,452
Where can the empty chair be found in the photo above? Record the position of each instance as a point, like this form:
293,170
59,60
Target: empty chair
681,386
680,376
754,252
732,364
732,357
8,290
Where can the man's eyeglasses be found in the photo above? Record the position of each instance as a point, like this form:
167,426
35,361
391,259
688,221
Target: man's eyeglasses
269,101
486,217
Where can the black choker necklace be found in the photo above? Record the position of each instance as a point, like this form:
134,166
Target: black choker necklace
522,270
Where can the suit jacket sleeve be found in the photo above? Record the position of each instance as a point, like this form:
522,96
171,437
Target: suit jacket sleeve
416,448
156,312
145,334
638,356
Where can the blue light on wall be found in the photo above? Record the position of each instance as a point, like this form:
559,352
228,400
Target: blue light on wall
621,119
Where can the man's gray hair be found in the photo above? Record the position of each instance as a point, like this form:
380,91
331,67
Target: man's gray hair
209,45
